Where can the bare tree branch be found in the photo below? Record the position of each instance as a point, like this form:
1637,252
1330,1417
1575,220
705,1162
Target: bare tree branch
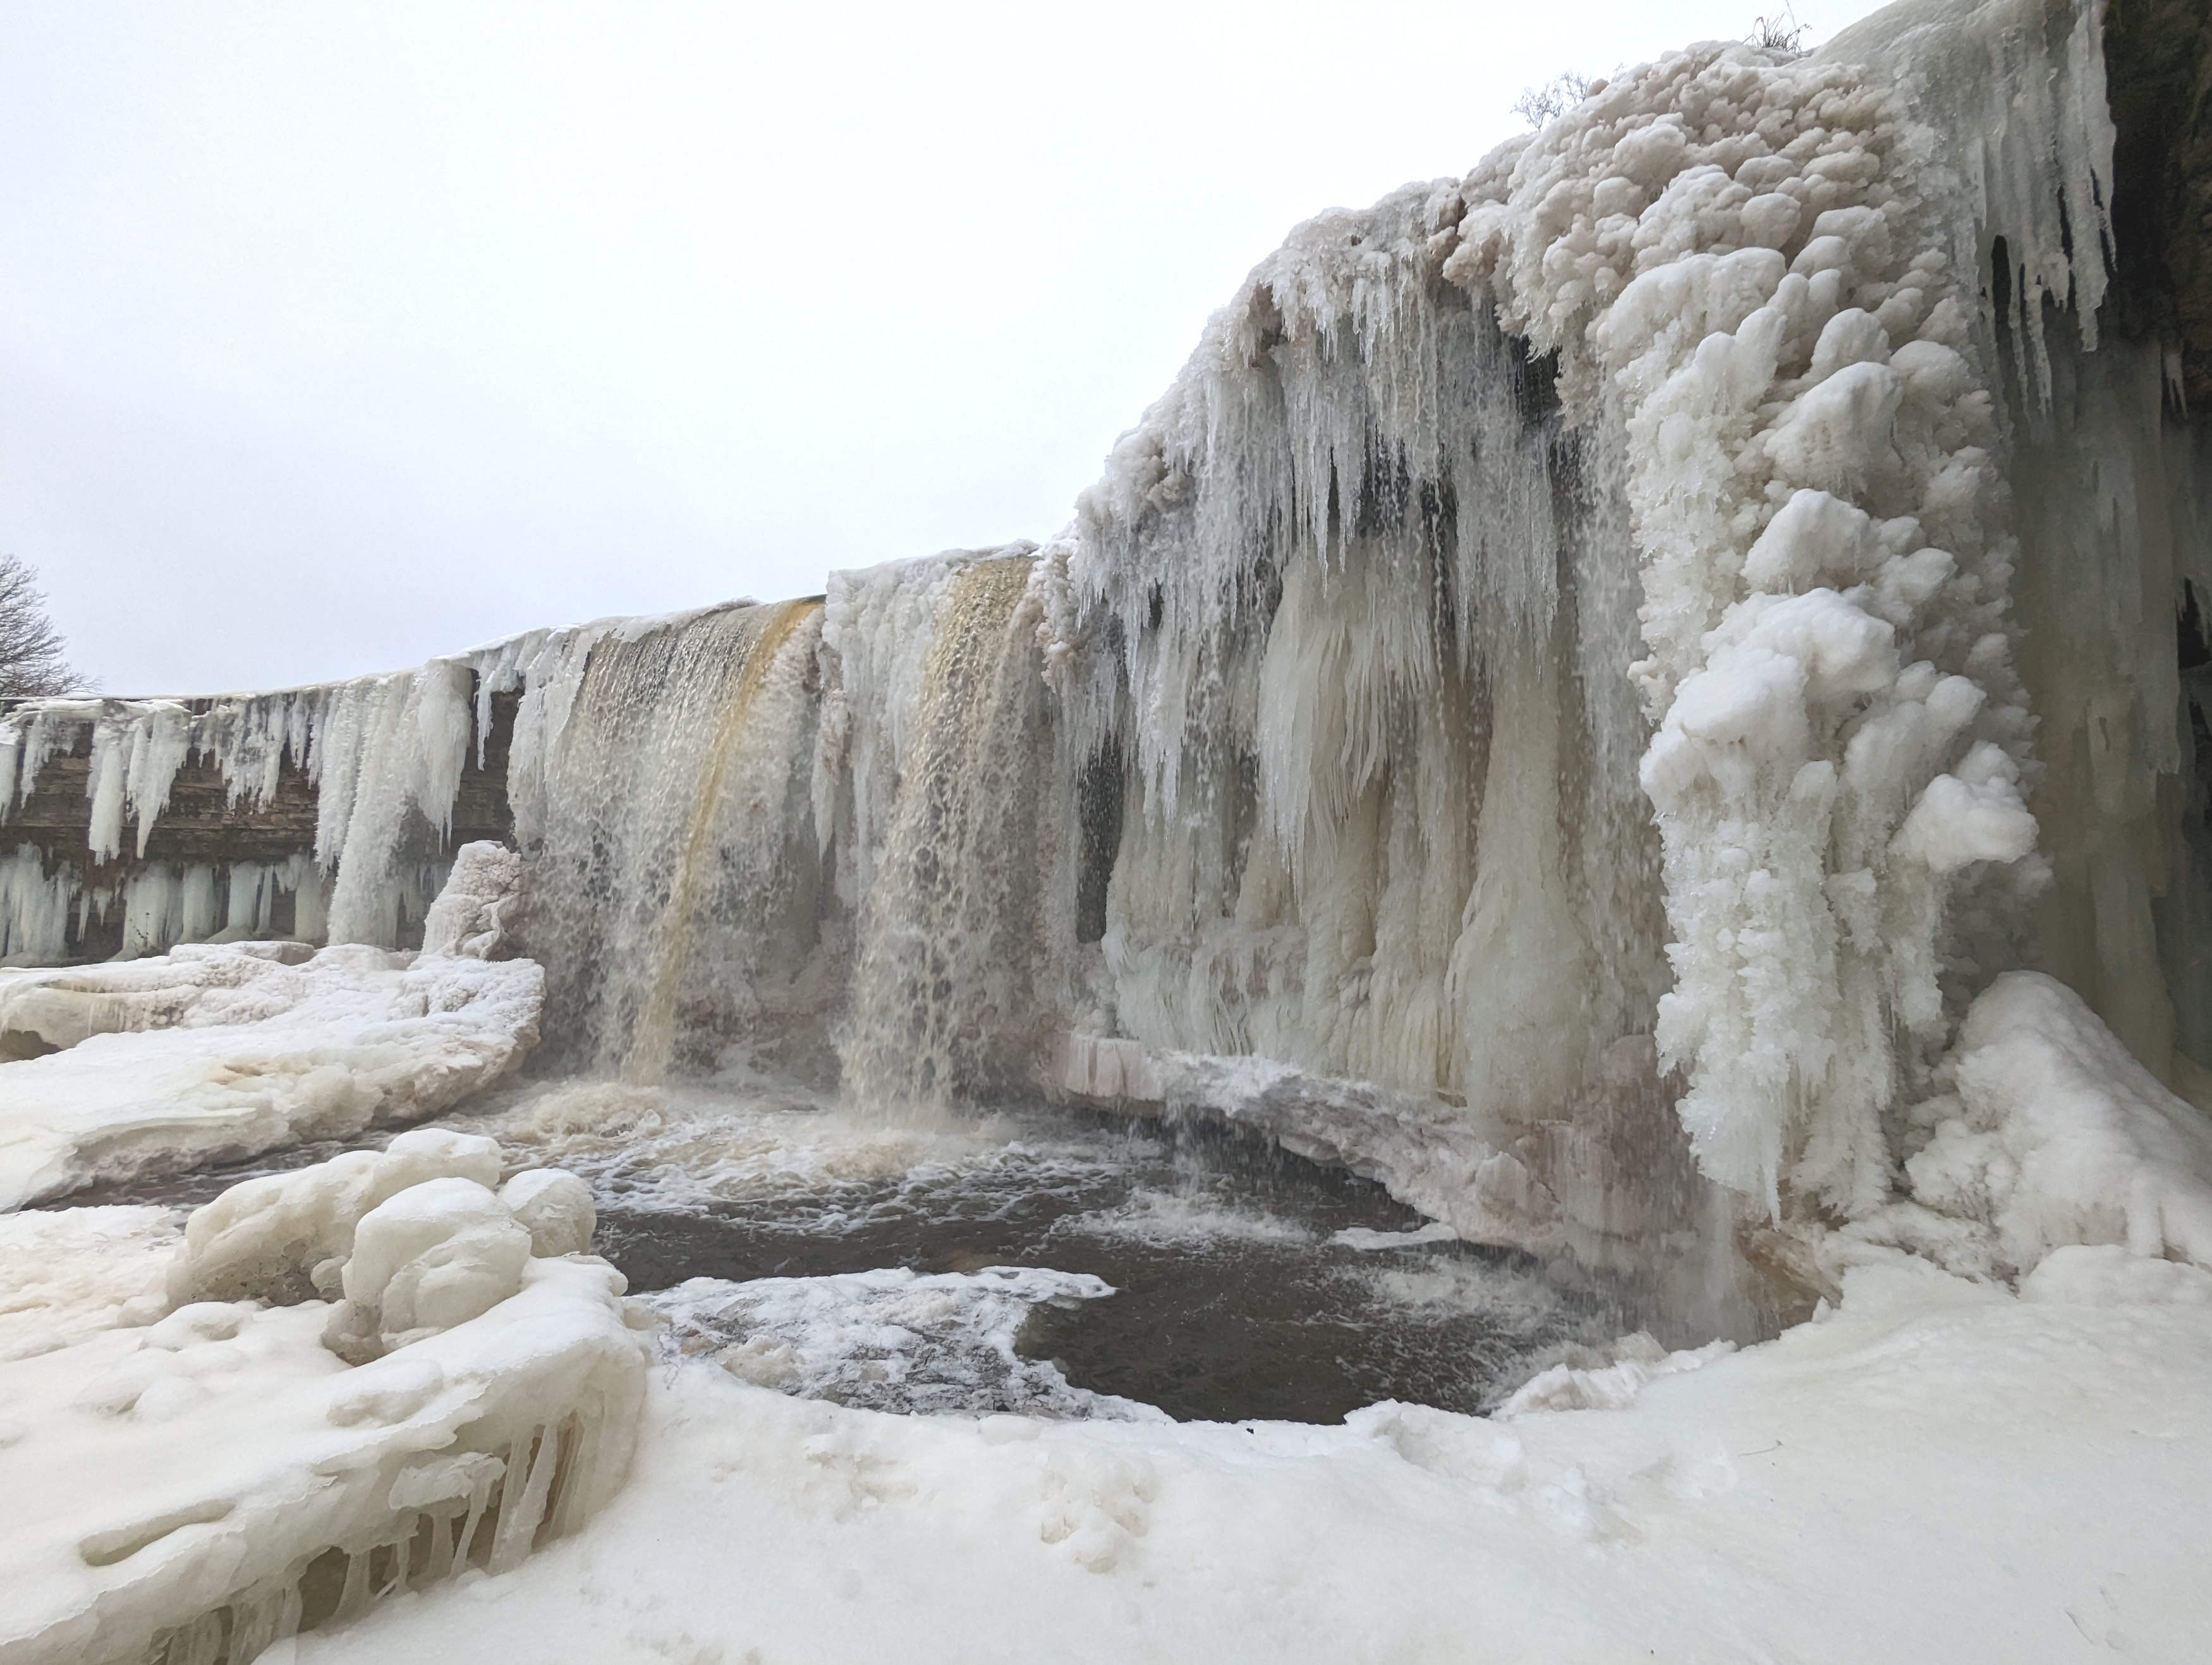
32,652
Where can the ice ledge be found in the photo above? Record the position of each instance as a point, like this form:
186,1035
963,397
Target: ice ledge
1609,1185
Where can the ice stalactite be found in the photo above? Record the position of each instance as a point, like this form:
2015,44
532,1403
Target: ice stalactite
35,905
1351,603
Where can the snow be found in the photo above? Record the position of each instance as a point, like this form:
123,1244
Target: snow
67,1273
2054,1136
1937,1470
192,1474
218,1052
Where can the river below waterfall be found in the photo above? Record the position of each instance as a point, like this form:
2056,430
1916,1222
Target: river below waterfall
1236,1281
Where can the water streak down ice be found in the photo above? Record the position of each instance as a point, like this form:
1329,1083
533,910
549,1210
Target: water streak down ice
950,952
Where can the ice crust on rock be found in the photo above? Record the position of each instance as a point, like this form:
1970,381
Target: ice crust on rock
220,1052
470,918
284,1237
203,1476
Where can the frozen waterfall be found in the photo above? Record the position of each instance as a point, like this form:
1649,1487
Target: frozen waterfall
1587,674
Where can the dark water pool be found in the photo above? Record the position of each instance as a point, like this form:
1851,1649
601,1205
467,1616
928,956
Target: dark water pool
1237,1292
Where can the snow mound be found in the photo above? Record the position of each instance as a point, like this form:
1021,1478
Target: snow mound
207,1484
1613,1387
890,1339
215,1053
2055,1136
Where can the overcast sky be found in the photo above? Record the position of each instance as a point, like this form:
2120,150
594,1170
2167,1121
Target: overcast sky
333,337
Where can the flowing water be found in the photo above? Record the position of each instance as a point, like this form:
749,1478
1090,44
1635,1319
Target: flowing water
1244,1282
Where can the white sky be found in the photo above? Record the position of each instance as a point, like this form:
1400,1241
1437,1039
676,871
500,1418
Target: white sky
336,335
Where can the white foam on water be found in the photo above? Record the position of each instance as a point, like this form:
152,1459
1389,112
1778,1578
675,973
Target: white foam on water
891,1340
1169,1219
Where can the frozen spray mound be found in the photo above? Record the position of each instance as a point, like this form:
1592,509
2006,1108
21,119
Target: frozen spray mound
212,1053
200,1472
2054,1136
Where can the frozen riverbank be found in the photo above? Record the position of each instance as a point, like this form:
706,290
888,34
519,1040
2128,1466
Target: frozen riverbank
1938,1471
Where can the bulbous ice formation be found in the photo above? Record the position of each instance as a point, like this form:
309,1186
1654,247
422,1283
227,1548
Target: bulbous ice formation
216,1479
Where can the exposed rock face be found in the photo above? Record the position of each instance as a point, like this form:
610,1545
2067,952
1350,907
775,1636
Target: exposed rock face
2159,58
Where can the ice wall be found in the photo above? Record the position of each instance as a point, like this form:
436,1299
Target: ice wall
1349,608
383,756
1759,391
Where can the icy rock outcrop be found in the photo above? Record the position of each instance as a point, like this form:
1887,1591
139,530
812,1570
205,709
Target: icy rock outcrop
435,1255
469,919
216,1052
204,1485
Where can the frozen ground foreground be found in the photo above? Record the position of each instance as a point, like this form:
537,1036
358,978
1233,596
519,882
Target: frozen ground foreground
1938,1471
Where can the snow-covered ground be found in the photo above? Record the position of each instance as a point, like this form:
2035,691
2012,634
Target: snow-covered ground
365,1355
1939,1470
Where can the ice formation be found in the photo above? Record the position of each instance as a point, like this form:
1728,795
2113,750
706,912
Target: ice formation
1631,696
890,1339
210,1053
199,1472
1568,649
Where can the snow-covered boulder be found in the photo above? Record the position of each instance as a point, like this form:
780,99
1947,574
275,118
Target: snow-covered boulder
202,1486
211,1053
